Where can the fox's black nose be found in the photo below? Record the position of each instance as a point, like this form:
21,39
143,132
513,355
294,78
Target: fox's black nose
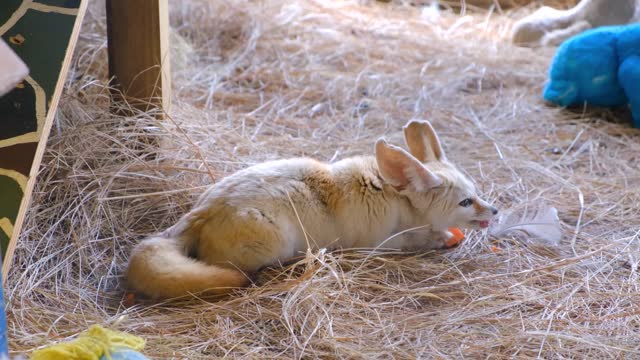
494,211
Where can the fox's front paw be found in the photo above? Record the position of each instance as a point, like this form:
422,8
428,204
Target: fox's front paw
433,240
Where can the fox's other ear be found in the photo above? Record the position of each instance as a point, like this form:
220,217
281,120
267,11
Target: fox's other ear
422,141
402,170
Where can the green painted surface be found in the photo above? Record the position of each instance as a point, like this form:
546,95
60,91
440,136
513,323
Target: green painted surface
72,4
18,112
42,44
11,195
46,36
4,242
7,8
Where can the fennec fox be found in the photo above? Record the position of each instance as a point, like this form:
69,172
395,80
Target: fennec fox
276,210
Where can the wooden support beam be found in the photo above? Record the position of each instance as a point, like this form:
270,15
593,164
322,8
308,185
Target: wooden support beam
138,37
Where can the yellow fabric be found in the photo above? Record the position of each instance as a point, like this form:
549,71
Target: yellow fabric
90,345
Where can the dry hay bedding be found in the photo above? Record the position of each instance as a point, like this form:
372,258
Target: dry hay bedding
257,81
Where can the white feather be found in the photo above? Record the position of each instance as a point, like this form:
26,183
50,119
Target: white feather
536,221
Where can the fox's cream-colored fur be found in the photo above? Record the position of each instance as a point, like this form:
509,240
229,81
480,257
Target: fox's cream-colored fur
550,27
276,210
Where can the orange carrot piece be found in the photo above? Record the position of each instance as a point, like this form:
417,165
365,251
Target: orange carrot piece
129,300
456,238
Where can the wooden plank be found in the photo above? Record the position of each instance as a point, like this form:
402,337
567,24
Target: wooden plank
4,346
27,112
138,36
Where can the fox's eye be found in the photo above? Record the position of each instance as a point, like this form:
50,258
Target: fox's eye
466,202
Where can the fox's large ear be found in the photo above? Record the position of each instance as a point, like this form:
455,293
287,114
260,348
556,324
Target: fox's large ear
403,171
422,141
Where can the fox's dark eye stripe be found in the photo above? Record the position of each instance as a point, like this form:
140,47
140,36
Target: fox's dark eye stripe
466,202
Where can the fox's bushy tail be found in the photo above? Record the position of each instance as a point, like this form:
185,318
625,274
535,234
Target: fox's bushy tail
159,268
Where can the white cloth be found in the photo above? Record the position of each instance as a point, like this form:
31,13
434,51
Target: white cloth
12,68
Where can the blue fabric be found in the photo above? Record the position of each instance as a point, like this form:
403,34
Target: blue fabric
4,350
123,353
601,67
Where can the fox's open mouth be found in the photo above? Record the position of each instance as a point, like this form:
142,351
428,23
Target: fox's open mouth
483,224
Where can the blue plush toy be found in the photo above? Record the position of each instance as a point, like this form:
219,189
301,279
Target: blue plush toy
600,67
